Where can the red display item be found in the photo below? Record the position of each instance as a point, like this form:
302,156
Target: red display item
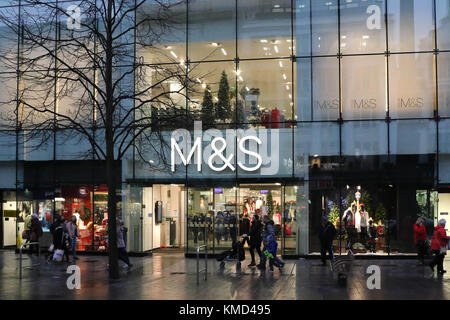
265,120
275,117
47,216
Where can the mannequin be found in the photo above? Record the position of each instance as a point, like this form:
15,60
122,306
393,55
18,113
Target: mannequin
349,220
263,210
259,203
250,206
361,223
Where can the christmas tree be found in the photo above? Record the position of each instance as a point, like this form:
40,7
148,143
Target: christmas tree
223,107
208,112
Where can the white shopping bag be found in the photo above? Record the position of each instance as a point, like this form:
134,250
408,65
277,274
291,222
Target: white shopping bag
58,255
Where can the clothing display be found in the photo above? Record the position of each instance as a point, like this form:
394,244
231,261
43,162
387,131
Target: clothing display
361,220
259,203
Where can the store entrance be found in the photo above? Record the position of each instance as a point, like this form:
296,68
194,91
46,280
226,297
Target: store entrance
162,216
218,215
9,220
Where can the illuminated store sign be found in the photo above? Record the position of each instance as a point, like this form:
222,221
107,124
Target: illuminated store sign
218,150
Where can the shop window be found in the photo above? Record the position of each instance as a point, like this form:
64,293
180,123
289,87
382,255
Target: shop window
321,17
267,101
200,218
212,92
325,91
410,25
165,42
361,138
443,24
226,218
212,30
364,87
360,215
411,85
363,27
78,201
413,137
264,29
443,60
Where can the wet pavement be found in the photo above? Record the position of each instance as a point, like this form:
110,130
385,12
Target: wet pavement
172,276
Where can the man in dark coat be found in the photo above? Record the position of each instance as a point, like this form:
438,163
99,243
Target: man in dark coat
326,235
244,228
255,239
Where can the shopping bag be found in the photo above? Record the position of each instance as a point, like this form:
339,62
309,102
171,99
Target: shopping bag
58,255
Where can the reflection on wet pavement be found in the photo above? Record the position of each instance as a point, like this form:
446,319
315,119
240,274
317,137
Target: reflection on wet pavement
172,276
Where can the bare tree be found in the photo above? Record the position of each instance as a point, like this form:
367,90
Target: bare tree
77,68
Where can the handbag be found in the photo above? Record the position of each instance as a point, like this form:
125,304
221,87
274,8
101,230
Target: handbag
25,234
58,255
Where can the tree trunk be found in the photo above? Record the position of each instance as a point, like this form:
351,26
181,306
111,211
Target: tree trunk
109,137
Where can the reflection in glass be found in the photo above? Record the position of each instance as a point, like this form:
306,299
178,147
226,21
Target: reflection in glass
212,32
410,25
264,28
363,26
363,87
411,85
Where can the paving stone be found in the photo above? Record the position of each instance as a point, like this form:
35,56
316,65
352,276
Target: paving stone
172,276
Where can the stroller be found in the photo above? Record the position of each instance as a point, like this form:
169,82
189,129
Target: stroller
237,253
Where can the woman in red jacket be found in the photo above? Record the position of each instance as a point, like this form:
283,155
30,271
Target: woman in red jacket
420,236
439,246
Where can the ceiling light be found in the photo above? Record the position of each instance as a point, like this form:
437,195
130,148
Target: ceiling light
276,5
246,88
263,41
287,87
198,80
290,96
280,63
223,51
365,37
344,37
173,54
240,78
276,48
203,85
265,48
284,76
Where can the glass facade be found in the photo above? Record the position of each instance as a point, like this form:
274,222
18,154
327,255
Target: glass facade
350,100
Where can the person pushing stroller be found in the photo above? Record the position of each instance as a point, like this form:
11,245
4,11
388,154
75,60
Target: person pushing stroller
235,253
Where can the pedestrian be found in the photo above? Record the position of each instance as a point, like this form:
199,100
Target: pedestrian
53,227
255,239
420,238
73,233
121,248
124,231
439,245
61,238
326,235
35,232
269,244
372,233
244,228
